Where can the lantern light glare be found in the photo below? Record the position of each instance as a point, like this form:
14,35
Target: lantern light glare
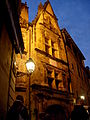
82,97
30,65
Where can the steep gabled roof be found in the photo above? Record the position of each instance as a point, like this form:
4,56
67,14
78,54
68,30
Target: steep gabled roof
45,6
43,9
67,35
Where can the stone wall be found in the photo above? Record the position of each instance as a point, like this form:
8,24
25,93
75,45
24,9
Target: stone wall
5,63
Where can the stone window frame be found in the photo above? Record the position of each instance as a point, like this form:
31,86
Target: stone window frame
50,76
47,45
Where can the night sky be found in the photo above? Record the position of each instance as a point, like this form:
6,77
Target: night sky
74,15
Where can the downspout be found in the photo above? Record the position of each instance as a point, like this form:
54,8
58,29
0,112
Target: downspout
10,78
69,79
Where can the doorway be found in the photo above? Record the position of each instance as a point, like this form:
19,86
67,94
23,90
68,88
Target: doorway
55,112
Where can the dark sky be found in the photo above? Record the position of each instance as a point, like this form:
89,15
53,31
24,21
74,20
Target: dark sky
74,15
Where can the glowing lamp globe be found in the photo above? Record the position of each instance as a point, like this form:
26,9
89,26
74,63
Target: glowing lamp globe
30,65
82,97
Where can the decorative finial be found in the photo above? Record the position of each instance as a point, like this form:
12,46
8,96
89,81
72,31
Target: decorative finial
40,7
25,3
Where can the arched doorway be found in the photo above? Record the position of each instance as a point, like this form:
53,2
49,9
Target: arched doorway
55,112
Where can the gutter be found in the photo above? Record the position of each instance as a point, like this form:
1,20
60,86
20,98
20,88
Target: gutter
11,19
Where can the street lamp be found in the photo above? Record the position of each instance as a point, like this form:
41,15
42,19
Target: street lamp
82,97
30,65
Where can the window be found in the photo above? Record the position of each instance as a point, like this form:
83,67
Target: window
57,83
50,82
53,50
52,44
72,66
46,49
50,78
64,80
49,73
46,45
59,80
46,41
56,75
55,79
78,70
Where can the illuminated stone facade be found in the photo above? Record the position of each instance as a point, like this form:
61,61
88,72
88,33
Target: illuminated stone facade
55,78
21,80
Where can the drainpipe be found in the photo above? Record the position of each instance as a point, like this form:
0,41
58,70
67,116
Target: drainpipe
10,78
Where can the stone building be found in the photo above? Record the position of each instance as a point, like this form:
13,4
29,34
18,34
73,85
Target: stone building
87,70
58,80
22,79
79,80
11,43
